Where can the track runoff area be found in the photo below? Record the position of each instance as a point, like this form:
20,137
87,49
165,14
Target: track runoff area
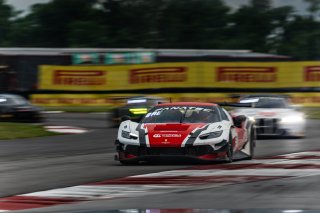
288,167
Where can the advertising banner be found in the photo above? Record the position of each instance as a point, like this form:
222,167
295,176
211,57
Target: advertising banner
120,77
262,74
130,58
85,58
181,75
73,78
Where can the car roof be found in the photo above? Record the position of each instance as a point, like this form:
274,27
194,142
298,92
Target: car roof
188,104
145,97
7,95
265,96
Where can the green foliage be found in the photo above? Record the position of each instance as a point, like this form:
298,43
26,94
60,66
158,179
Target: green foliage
22,130
201,24
6,12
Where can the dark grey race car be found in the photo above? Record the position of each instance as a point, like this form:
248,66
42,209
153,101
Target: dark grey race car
18,109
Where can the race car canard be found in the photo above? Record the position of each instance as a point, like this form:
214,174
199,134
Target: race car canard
202,131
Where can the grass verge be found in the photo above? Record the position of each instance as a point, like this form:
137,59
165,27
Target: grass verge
22,130
312,112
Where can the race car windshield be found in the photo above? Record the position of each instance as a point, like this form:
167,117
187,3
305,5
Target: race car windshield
12,100
182,115
270,103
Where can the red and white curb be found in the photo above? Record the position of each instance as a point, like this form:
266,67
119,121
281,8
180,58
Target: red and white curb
65,129
294,165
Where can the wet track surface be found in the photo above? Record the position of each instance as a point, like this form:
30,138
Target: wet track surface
30,165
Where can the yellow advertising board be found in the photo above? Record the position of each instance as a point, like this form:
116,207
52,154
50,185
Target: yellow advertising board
181,75
262,74
124,77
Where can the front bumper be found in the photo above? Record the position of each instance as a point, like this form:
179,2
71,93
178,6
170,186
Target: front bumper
274,127
201,152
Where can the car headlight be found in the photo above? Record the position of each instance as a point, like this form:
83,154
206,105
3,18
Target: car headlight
251,118
292,119
128,135
211,135
139,111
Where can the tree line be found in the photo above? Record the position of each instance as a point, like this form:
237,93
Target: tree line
183,24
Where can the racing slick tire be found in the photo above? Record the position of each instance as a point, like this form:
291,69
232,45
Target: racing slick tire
252,143
229,155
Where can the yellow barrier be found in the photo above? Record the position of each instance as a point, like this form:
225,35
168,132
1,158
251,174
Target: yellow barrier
303,99
181,75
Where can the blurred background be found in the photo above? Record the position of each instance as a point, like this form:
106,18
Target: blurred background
91,53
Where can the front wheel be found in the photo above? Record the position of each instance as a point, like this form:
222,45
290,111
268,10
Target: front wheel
252,141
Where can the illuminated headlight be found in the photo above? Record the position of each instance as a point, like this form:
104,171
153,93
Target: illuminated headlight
128,135
251,118
139,111
211,135
292,119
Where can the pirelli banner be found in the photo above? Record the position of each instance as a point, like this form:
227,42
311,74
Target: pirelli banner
181,75
123,77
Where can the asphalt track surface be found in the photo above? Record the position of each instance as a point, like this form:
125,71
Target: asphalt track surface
37,164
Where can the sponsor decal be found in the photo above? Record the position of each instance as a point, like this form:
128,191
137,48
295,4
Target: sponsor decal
167,135
158,111
79,77
165,142
157,136
158,75
312,73
247,74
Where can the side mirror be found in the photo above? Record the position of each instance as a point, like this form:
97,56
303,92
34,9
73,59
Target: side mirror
238,120
125,118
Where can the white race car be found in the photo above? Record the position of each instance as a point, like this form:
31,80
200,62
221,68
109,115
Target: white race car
202,131
274,116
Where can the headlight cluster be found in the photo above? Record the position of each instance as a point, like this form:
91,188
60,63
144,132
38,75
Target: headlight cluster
211,135
292,119
128,135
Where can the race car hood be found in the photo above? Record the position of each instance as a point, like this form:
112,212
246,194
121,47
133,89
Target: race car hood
170,135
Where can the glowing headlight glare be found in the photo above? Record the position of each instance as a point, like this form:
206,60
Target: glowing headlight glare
292,119
211,135
137,111
251,118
